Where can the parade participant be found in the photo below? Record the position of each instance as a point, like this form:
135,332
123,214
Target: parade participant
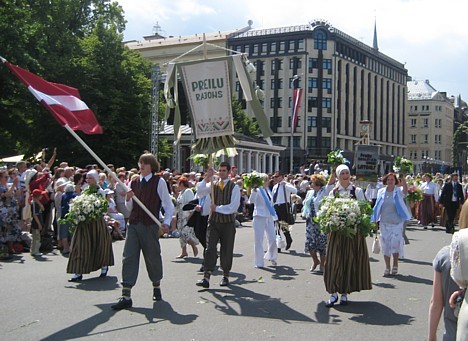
347,267
186,233
91,246
143,232
391,212
426,207
222,226
263,224
316,241
451,199
282,191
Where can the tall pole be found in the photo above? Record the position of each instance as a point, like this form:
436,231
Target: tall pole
291,164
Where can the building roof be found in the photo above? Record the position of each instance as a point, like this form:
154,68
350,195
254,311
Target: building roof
421,90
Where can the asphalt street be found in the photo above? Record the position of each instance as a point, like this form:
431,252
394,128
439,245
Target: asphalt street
282,302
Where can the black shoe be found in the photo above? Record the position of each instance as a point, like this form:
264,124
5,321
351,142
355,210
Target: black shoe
104,273
203,283
123,303
76,279
157,294
224,282
202,269
331,301
344,300
288,245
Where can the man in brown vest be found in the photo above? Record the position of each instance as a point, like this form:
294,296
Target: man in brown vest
143,232
221,227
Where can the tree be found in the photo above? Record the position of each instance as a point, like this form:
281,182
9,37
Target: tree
77,43
243,123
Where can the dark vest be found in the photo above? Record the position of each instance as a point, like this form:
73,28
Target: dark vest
352,192
222,197
148,195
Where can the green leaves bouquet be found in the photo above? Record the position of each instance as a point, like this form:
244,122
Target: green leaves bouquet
85,208
336,158
253,180
346,216
402,165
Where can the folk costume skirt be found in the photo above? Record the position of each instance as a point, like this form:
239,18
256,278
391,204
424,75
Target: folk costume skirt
347,267
426,210
91,248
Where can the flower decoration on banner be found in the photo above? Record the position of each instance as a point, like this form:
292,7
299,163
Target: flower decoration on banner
336,158
346,216
88,207
414,194
402,165
253,180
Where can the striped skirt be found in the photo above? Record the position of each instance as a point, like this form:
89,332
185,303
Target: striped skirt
91,248
347,267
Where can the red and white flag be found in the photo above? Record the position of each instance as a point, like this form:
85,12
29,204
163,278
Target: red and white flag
296,106
62,101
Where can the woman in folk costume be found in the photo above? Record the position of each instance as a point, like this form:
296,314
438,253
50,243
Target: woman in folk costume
264,217
426,207
187,233
347,267
391,211
91,246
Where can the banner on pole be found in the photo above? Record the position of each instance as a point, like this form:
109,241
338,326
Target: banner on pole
367,162
208,91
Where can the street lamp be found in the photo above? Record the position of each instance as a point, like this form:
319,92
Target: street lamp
295,82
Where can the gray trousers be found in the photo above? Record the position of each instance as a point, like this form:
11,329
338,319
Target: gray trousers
224,233
141,238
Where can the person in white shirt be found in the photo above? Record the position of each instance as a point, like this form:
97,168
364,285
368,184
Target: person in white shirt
264,217
282,191
426,207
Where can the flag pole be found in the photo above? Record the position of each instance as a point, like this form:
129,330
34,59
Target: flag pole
112,174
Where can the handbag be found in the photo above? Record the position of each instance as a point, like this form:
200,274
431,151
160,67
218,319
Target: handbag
376,245
280,242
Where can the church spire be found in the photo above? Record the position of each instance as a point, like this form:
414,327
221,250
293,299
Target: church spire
375,45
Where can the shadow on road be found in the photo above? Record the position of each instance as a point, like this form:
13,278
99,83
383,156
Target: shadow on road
238,301
96,284
162,311
417,262
370,313
413,279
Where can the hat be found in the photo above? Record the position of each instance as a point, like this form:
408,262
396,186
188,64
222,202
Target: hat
61,182
341,168
29,173
37,192
93,173
108,191
190,205
429,175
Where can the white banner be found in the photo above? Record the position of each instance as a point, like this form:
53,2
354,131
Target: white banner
208,92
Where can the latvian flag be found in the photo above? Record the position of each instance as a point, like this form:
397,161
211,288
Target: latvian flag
62,101
296,106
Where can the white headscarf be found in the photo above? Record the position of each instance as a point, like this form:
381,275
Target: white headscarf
341,168
94,174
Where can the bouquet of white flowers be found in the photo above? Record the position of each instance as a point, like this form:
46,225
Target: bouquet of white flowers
253,180
402,165
345,215
336,158
85,208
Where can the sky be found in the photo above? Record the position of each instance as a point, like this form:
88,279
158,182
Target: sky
429,36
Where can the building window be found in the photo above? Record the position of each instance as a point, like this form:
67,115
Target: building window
282,46
300,44
292,46
327,65
298,121
313,83
272,84
264,49
247,49
426,139
276,140
326,123
438,123
325,142
311,122
327,84
413,139
277,124
313,64
320,39
326,102
237,86
413,123
255,49
273,46
425,123
311,142
312,102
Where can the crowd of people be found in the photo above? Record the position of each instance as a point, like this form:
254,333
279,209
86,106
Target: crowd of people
206,207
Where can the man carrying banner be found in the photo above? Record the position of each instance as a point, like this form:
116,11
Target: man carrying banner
143,232
221,227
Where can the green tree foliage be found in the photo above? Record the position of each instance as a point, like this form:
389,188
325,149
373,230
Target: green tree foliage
243,123
77,43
